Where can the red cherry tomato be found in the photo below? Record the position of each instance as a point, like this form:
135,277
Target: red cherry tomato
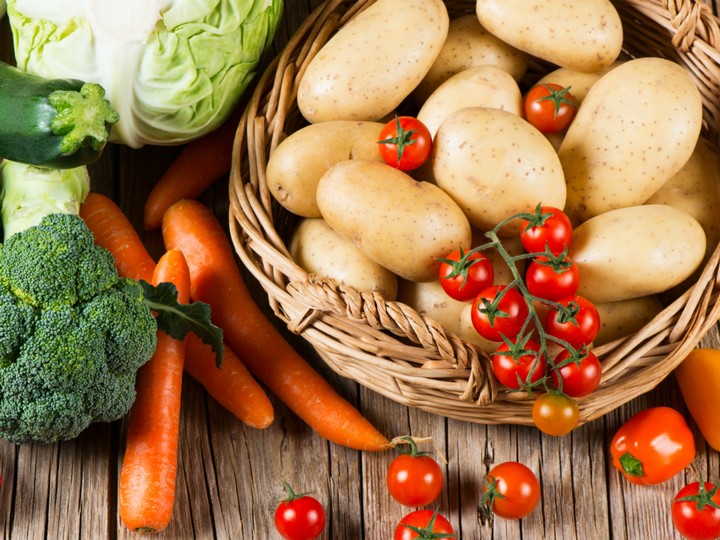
518,364
414,478
555,414
405,143
299,516
579,377
511,490
499,311
696,511
423,524
578,325
549,227
550,107
464,275
552,280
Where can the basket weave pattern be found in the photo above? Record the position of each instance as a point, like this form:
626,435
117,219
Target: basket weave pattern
386,345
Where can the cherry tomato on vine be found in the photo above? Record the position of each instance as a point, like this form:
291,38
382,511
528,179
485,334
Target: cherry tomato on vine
422,524
299,516
696,511
518,364
550,107
555,414
581,376
549,227
578,324
405,143
511,490
552,279
499,311
414,478
463,275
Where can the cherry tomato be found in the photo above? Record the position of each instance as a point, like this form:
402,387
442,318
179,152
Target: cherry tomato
511,490
578,325
464,275
552,280
550,227
581,376
653,446
495,316
405,143
518,364
414,478
555,414
423,524
299,516
696,511
550,107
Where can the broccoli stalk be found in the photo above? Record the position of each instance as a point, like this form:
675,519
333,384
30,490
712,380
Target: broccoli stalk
73,333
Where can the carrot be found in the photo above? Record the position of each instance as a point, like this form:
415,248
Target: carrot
215,278
232,385
146,491
195,168
114,231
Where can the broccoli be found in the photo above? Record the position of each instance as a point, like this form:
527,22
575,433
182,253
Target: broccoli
73,333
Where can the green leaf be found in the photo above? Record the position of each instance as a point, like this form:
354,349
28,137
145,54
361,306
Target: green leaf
177,319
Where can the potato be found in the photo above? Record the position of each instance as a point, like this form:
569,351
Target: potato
579,82
482,86
374,61
586,36
495,165
429,298
625,317
319,250
636,128
636,251
399,223
296,165
467,45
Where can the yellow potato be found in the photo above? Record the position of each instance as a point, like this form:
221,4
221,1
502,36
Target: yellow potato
586,36
579,82
495,165
374,61
467,45
429,298
482,86
636,251
625,317
296,165
635,129
399,223
319,250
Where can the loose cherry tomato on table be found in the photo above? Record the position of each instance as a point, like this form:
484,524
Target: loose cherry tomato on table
696,511
653,446
548,227
463,275
519,363
577,323
414,478
499,311
299,516
405,143
580,373
511,490
423,525
550,107
552,279
555,414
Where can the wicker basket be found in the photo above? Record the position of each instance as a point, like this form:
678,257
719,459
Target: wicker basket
389,347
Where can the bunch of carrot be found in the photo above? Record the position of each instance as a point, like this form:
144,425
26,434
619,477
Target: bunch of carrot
199,259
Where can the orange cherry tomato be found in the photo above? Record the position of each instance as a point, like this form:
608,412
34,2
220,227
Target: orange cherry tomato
555,414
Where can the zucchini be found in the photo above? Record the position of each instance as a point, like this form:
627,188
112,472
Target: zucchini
57,123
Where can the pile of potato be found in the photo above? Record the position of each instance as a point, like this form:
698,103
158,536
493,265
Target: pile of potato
640,184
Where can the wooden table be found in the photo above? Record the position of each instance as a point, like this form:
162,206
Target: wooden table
230,476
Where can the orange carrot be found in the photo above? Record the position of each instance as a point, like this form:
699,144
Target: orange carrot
147,479
215,278
195,168
114,231
232,385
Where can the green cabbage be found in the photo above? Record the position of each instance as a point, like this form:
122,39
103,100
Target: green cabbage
173,69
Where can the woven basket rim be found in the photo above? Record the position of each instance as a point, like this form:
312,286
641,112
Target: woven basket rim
386,345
